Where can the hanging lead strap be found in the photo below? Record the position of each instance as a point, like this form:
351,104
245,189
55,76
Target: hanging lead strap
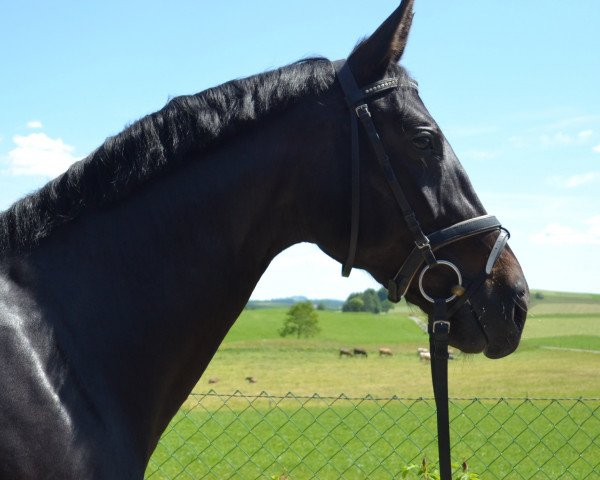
439,329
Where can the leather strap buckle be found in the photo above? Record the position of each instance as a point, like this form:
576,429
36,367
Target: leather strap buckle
362,111
441,326
423,244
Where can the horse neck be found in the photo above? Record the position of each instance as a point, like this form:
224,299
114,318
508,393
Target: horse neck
149,288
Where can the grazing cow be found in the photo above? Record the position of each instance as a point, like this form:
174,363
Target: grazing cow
421,350
251,379
425,355
213,380
345,352
385,352
360,351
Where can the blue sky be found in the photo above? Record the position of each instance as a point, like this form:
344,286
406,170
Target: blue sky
513,84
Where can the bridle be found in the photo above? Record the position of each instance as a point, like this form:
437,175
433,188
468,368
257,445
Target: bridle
425,245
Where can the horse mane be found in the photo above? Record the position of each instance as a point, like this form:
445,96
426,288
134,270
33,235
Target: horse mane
155,145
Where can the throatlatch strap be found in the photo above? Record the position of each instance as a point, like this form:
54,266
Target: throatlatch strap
351,90
439,329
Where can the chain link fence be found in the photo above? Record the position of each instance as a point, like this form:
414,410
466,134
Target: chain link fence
298,437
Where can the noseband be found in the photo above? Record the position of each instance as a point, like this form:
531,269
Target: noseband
425,245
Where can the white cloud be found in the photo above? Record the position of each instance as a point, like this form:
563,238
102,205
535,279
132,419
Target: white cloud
469,130
574,181
553,139
556,234
596,149
585,134
578,180
34,124
479,155
573,122
558,139
38,154
517,141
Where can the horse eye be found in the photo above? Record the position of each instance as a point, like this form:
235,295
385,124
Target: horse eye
422,141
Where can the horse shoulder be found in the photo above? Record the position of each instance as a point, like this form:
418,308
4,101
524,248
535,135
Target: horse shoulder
38,435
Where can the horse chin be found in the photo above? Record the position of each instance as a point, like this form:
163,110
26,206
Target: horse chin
466,334
503,345
499,351
490,332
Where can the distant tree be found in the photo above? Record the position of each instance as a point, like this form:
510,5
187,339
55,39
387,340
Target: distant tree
321,306
354,303
371,301
301,320
386,305
368,301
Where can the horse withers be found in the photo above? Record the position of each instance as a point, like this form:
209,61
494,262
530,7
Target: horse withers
120,278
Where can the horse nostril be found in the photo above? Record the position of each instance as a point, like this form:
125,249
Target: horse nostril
519,316
521,300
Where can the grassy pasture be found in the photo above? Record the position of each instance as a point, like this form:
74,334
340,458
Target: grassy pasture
559,356
330,439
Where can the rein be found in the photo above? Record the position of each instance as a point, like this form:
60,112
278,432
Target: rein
424,249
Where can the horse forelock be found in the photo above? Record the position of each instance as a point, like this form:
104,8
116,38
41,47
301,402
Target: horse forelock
155,145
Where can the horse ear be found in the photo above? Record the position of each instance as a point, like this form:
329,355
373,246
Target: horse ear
371,58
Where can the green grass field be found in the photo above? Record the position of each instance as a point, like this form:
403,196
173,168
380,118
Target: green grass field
250,435
255,438
559,356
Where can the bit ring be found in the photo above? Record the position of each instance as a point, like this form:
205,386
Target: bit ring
446,263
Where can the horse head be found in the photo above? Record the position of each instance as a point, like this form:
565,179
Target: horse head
409,185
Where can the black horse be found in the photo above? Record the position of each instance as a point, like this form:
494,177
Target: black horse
120,278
